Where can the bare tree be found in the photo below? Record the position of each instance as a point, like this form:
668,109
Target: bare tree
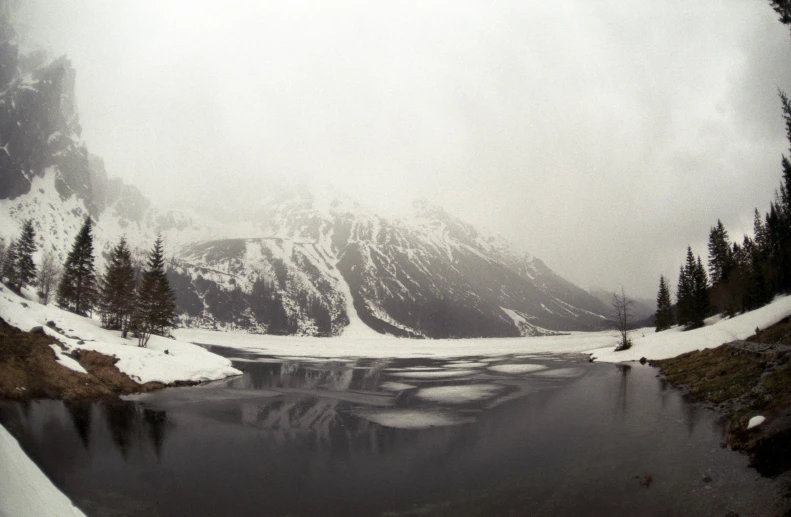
624,310
48,277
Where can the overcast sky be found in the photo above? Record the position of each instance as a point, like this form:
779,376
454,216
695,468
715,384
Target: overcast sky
603,137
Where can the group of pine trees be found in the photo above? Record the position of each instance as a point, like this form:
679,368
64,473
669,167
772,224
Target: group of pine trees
129,297
20,270
741,276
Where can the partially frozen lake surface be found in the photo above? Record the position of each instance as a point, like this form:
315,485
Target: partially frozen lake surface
545,434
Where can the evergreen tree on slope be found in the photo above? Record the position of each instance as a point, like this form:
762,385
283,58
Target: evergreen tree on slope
26,247
700,283
664,307
720,254
155,309
118,289
684,294
9,265
693,295
77,290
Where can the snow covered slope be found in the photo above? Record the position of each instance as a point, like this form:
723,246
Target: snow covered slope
164,360
425,275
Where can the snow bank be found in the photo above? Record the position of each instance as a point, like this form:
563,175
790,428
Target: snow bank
756,421
24,489
164,360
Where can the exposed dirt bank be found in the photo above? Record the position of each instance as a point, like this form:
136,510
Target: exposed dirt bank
29,370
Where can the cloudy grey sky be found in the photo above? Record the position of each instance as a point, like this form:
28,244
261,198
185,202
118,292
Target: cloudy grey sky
600,136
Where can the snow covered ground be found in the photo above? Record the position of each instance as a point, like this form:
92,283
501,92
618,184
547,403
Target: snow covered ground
674,342
601,345
164,360
24,489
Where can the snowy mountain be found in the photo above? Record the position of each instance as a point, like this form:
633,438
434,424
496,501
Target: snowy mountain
311,263
332,265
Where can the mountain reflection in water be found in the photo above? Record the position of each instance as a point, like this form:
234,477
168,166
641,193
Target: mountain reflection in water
539,434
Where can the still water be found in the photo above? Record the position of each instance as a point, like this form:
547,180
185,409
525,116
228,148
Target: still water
517,435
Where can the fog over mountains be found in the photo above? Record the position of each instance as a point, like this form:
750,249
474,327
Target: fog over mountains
303,262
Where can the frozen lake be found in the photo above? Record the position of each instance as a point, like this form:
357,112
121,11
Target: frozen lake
538,434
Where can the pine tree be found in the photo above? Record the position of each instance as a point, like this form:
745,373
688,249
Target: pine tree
700,283
759,233
26,247
77,290
9,265
759,292
664,307
785,189
117,297
774,256
685,292
155,309
720,255
783,8
693,292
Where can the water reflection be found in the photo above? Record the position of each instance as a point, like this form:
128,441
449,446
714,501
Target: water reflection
127,424
625,369
366,436
81,416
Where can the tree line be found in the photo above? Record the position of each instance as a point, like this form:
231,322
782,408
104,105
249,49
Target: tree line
741,276
130,296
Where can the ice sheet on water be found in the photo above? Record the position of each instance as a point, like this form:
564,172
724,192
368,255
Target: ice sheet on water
312,359
396,386
256,360
470,364
459,394
560,373
440,374
517,368
412,418
414,369
174,397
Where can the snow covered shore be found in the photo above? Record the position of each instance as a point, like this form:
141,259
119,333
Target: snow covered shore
164,360
601,345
